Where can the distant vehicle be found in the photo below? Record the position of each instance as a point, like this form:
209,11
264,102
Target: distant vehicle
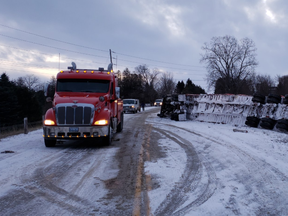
131,105
158,102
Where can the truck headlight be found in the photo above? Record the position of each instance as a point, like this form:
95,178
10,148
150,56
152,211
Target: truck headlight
49,122
101,122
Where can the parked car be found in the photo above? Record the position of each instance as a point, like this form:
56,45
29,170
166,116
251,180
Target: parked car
131,105
158,102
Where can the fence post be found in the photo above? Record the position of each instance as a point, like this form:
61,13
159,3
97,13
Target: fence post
26,125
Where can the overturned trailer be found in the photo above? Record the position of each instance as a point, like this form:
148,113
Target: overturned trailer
254,111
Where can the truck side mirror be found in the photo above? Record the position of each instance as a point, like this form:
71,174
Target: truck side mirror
48,99
117,92
46,90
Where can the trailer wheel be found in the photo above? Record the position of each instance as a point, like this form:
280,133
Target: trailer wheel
282,126
252,121
273,98
258,98
251,124
50,143
267,123
283,121
285,100
120,125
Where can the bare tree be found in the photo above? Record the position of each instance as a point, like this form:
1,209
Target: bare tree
230,61
30,81
148,76
166,84
149,82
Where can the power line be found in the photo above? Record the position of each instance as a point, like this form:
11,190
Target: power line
53,39
182,69
132,56
49,55
146,59
51,46
156,60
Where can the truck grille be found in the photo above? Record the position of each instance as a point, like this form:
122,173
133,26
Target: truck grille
74,114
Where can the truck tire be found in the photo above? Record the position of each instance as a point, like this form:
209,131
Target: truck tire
285,100
120,125
274,98
108,139
252,121
50,143
267,123
281,126
283,121
258,98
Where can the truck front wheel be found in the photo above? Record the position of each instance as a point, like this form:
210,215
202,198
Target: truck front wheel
120,125
50,143
108,139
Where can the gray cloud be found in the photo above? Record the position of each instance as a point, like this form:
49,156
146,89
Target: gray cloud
165,31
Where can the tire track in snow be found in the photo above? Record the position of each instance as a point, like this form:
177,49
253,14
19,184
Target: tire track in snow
262,176
45,182
190,181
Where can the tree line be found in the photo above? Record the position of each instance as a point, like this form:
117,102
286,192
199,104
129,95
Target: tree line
19,100
147,85
24,97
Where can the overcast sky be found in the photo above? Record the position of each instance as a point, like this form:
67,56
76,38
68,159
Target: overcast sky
167,35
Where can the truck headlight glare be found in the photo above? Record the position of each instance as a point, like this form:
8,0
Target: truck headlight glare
101,122
49,122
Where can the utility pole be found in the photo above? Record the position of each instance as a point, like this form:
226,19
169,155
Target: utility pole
110,56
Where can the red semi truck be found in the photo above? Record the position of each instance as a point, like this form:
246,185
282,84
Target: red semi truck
86,104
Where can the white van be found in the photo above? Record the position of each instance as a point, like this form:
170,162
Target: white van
131,105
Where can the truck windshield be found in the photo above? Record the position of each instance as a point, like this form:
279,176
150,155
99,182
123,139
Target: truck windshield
82,85
128,101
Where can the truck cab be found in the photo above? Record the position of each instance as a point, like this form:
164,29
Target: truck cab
86,105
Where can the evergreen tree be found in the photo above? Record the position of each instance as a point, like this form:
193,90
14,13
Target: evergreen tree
180,87
191,88
9,109
131,85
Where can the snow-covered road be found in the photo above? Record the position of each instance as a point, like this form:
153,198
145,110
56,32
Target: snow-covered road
189,168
